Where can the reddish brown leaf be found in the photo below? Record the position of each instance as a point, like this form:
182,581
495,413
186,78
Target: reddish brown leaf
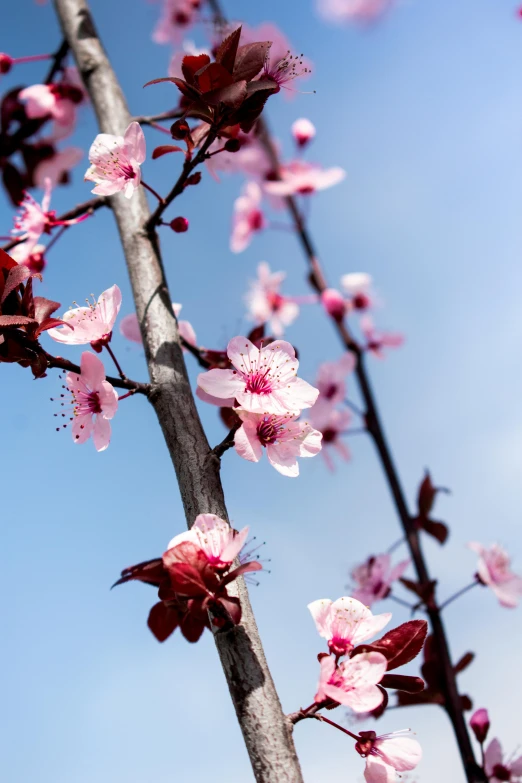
403,682
6,262
163,620
253,565
232,95
464,662
232,607
186,580
250,59
192,627
16,276
164,149
149,571
438,530
191,64
226,53
13,321
212,77
43,308
400,645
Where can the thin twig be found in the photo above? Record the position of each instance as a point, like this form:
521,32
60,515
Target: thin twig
227,442
60,363
173,114
458,594
116,362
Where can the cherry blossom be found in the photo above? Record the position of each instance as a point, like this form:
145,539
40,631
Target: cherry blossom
267,305
284,438
353,10
33,218
176,18
248,218
499,769
281,65
354,682
94,401
115,162
303,131
375,577
387,754
220,543
251,159
32,257
130,327
479,723
345,623
56,167
92,324
494,570
331,377
357,285
333,423
376,340
334,303
58,100
302,178
263,381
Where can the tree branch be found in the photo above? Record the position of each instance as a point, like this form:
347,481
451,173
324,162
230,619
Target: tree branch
173,114
266,730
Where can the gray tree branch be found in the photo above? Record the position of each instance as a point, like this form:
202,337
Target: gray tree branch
266,730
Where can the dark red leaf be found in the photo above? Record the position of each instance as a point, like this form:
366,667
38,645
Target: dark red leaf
186,552
16,276
403,682
13,321
6,262
226,53
163,620
193,63
257,334
438,530
232,95
251,108
192,627
262,84
50,323
150,571
184,88
400,645
212,77
186,580
464,662
250,59
232,607
427,494
164,149
43,308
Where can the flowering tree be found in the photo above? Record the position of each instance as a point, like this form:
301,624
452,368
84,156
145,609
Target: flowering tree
254,380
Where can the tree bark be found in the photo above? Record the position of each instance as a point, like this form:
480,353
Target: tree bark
266,730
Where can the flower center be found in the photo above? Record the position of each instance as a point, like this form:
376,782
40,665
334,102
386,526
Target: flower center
360,301
269,430
255,220
501,772
259,383
86,403
275,300
180,18
330,391
284,70
329,436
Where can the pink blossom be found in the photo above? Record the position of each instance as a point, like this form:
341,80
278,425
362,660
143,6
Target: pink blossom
334,303
251,159
56,168
94,402
130,327
353,10
92,324
387,754
116,162
248,218
354,682
357,285
331,379
479,723
32,257
302,178
284,438
345,623
266,305
303,131
33,218
58,101
333,423
263,381
177,16
375,577
376,340
499,769
494,570
220,543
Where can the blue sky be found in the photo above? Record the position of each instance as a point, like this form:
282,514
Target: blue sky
423,113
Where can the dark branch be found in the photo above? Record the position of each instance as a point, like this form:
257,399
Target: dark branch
120,383
173,114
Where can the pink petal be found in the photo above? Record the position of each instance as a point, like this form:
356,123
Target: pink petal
224,384
363,699
377,771
219,401
109,303
370,627
93,371
234,547
130,328
283,457
492,756
135,142
247,443
82,428
101,433
320,611
239,348
108,400
402,753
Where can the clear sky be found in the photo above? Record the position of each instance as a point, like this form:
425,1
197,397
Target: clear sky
423,113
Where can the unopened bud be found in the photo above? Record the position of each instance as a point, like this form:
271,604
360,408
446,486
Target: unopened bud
5,62
179,225
479,723
194,179
36,263
232,145
334,304
180,129
303,132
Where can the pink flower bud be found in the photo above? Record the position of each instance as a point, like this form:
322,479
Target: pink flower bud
303,131
179,225
36,262
333,303
5,62
479,723
233,145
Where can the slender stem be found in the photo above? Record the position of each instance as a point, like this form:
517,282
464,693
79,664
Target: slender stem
120,383
227,442
32,58
395,545
129,394
188,168
86,208
151,190
58,59
266,730
116,362
400,601
457,595
153,119
159,127
355,408
56,237
336,726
